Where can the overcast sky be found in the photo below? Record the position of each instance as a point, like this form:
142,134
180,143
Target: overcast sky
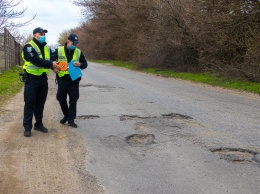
53,15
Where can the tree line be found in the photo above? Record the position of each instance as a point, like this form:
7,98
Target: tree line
218,36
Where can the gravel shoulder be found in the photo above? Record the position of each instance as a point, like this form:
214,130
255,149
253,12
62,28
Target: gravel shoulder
44,163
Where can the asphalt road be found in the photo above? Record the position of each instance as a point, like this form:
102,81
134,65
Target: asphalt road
149,134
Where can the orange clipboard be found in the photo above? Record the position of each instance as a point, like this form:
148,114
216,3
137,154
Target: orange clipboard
63,65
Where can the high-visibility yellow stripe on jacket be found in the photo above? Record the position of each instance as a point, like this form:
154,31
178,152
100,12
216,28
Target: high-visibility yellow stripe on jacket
31,68
62,57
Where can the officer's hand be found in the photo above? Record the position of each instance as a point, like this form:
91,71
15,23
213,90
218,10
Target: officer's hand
76,64
55,70
55,65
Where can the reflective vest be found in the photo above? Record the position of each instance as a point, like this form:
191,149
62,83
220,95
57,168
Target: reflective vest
31,68
62,57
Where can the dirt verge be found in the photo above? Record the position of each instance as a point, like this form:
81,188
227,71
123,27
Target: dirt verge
44,163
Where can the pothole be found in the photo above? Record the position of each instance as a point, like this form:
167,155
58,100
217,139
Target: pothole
104,86
88,117
97,86
140,139
257,158
237,155
132,117
85,85
175,115
164,116
113,141
139,126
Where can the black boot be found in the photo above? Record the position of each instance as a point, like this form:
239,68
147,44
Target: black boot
41,128
64,120
72,124
27,133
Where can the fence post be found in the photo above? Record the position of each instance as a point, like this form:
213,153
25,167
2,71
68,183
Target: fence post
5,53
2,62
11,51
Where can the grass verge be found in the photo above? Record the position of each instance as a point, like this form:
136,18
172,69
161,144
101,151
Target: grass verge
206,78
10,84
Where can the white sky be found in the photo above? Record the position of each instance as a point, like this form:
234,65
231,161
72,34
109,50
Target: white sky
53,15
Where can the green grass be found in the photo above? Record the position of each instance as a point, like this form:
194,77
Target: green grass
198,77
209,79
10,84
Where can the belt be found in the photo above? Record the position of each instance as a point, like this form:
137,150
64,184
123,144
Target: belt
37,76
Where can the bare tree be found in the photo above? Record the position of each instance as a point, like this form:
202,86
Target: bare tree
63,36
226,33
7,14
21,38
182,35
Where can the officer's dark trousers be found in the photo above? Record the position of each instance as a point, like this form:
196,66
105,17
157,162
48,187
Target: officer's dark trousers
67,87
35,94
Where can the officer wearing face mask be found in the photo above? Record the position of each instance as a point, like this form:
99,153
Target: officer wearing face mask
66,86
38,60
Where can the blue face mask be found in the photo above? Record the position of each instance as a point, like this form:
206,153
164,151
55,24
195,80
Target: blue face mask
72,47
42,39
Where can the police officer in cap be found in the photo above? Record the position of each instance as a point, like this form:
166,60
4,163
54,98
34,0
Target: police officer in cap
66,86
38,60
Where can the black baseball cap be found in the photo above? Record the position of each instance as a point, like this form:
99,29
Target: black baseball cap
74,38
39,29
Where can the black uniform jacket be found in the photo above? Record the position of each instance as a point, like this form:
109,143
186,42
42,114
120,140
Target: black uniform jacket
69,56
31,55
